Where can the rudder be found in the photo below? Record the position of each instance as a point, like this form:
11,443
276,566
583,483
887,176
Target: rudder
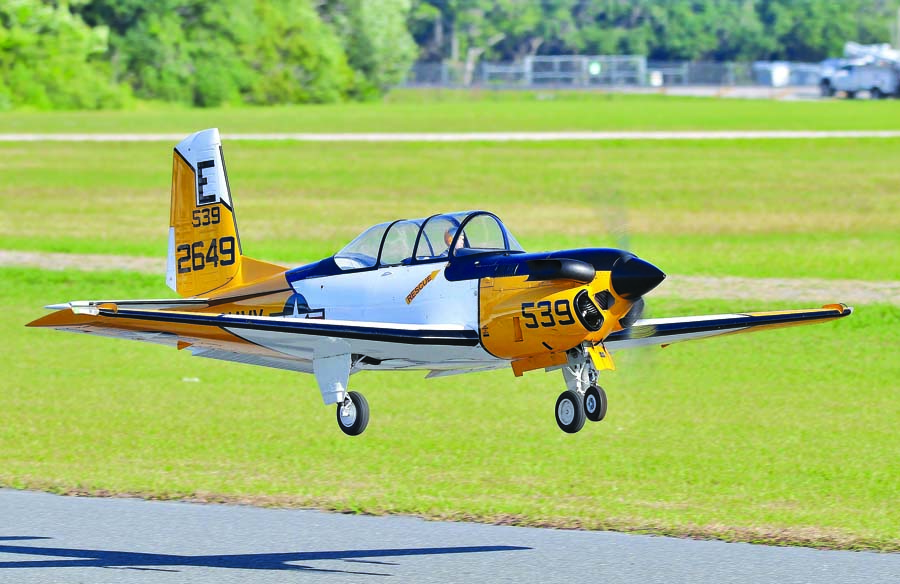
204,245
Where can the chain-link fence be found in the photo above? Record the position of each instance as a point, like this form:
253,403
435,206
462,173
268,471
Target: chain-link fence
585,71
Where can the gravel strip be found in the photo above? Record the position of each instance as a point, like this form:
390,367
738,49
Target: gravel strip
813,290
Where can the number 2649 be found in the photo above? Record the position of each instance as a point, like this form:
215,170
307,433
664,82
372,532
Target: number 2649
196,256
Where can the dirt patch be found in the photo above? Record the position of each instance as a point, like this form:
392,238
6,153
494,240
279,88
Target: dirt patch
82,262
813,290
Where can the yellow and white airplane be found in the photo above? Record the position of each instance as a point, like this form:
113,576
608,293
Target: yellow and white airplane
451,293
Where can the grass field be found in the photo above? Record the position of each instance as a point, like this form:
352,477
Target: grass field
787,436
453,111
763,208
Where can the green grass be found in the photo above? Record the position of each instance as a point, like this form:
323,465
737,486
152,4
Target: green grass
762,208
422,111
785,436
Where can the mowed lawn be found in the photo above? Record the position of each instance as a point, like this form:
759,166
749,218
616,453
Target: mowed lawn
794,208
481,111
783,436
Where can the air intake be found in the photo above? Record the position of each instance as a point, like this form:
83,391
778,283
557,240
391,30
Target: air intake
604,300
590,316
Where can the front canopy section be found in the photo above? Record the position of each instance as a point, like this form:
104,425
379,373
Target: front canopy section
436,238
362,252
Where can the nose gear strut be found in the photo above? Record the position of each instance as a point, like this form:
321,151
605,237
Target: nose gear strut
583,398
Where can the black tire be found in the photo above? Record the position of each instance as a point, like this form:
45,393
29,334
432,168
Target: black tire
595,403
355,424
851,94
876,93
569,412
825,89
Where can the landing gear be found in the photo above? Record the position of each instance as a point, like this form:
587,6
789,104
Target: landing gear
353,414
569,412
595,403
583,398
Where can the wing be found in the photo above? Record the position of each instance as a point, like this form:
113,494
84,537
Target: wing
280,342
664,331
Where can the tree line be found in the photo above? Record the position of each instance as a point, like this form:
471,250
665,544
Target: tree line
104,53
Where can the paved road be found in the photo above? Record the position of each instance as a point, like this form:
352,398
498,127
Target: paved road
46,538
472,136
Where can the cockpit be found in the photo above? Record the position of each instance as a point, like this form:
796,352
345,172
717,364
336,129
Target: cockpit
433,239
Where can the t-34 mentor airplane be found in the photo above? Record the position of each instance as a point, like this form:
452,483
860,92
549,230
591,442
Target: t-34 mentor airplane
451,293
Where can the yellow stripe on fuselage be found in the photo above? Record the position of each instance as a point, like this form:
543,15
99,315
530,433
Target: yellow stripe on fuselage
521,318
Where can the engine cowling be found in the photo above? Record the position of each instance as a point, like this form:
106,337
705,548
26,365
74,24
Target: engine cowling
521,317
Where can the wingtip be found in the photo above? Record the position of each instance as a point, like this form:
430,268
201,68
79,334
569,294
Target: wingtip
63,317
46,320
42,322
840,307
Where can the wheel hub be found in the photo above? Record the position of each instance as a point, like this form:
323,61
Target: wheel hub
348,414
566,412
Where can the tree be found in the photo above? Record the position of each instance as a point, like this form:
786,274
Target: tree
231,51
376,39
49,58
806,30
695,30
296,57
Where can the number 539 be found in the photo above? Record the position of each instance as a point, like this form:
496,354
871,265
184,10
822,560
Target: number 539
550,313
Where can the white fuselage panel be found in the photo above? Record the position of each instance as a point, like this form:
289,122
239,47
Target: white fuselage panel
381,296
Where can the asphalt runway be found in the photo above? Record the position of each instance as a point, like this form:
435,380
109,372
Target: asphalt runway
587,136
52,539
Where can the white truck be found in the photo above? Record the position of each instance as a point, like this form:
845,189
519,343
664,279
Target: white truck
874,69
878,80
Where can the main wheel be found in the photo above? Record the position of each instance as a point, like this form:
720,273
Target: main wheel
353,414
569,412
876,93
595,403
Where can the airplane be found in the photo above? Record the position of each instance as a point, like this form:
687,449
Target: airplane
451,293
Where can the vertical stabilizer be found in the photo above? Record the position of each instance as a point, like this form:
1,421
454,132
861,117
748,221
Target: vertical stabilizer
204,246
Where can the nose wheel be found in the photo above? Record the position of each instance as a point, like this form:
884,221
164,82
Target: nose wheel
595,403
353,414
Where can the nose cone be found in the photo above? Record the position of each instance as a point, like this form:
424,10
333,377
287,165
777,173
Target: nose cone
632,277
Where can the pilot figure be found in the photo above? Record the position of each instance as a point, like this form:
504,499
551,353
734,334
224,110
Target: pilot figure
448,239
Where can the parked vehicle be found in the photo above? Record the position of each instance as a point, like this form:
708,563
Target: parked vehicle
878,79
874,69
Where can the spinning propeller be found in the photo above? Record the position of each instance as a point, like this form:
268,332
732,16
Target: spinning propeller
631,277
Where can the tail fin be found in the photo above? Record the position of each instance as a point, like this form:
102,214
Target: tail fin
204,246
